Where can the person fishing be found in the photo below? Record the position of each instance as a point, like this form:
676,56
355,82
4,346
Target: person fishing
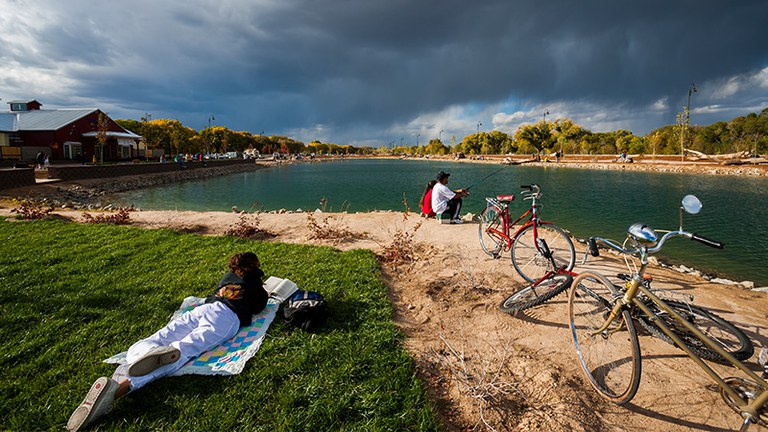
446,203
425,204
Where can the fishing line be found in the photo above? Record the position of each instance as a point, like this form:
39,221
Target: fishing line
488,176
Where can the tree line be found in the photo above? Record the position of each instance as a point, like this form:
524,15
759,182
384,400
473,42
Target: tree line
746,133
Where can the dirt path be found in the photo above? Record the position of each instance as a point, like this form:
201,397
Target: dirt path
489,370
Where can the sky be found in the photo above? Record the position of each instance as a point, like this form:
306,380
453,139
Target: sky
389,72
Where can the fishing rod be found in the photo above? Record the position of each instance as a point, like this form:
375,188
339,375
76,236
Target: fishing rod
487,177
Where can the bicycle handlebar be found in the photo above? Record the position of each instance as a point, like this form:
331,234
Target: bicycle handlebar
709,242
593,250
533,188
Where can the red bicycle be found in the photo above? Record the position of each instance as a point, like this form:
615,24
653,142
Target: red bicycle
528,256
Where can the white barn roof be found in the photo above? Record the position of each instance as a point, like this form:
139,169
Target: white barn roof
8,122
44,120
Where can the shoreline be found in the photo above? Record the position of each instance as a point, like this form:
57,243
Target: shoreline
98,194
87,193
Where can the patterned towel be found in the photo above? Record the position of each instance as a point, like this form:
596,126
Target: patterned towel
228,358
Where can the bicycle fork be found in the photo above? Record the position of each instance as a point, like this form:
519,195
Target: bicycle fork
620,305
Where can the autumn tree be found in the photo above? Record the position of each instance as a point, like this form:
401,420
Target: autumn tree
568,135
435,147
534,137
102,128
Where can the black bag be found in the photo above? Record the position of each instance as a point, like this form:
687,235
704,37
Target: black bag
306,310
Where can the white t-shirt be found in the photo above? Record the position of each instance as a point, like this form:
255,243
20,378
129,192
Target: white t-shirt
440,196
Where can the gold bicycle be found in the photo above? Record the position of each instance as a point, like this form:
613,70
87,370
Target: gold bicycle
606,340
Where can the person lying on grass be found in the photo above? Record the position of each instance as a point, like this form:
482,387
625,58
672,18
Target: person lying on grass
238,296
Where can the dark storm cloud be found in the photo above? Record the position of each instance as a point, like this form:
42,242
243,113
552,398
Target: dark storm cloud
293,65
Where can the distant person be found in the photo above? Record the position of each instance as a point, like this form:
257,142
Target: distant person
425,204
39,159
239,295
447,202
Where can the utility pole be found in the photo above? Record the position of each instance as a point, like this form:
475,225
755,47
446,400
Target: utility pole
684,134
210,118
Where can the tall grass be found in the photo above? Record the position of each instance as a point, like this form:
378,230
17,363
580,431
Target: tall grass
72,295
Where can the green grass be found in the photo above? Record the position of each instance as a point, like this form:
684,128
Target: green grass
72,295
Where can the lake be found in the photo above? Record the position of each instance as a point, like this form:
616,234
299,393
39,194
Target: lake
585,202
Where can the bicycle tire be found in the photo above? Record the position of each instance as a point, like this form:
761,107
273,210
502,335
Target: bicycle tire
610,359
528,260
730,337
536,294
490,242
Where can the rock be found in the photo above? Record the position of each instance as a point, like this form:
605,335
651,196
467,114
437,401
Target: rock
723,281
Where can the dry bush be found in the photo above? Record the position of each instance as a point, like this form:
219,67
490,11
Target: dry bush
402,249
247,226
120,216
469,279
29,209
488,382
331,229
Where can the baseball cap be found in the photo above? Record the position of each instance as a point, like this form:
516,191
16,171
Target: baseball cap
441,175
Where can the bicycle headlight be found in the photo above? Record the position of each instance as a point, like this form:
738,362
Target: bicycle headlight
643,233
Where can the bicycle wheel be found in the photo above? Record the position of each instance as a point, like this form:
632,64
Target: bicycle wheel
730,337
536,294
529,260
490,227
610,358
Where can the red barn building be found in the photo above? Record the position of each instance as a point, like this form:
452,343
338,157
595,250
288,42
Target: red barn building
63,134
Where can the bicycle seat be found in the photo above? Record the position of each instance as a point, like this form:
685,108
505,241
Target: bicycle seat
505,198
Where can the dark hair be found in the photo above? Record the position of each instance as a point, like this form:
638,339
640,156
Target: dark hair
442,175
243,263
430,185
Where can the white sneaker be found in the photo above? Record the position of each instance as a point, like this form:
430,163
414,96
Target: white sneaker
155,358
457,221
97,402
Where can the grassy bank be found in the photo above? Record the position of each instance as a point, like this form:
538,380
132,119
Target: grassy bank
72,295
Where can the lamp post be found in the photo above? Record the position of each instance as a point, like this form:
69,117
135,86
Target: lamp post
417,139
691,90
477,136
440,136
546,113
210,118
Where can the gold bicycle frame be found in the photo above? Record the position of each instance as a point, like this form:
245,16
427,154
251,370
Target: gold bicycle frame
633,287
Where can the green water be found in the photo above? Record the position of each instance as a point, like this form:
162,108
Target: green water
586,202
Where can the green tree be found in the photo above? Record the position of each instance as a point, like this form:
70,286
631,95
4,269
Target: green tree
436,147
131,125
537,136
568,135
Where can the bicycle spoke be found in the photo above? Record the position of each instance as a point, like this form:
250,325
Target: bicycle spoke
730,337
531,263
491,239
611,358
536,294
